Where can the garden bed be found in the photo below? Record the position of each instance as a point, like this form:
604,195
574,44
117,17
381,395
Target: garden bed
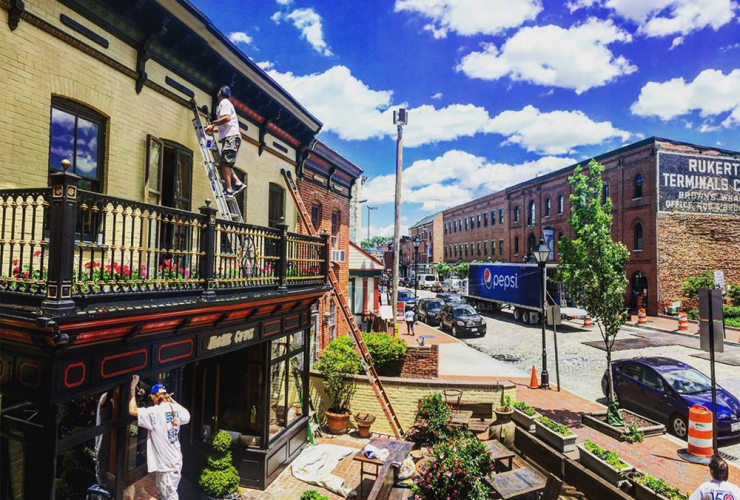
591,461
523,420
562,443
645,492
648,427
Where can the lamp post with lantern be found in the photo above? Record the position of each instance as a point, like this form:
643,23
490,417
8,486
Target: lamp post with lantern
541,253
417,243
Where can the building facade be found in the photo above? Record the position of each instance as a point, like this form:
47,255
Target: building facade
365,272
431,249
669,200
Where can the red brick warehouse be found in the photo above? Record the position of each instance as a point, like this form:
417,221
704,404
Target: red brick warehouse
676,206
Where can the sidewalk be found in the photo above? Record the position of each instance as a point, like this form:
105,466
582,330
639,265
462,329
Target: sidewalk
670,325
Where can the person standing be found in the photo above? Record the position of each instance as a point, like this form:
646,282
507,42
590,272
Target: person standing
719,488
162,420
410,318
230,138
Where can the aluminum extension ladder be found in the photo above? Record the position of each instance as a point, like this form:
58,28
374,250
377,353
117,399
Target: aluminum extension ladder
226,205
358,342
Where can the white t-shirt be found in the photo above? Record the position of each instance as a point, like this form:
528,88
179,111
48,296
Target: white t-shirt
163,444
409,315
232,126
716,490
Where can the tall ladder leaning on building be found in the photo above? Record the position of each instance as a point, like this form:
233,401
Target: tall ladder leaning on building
227,205
358,342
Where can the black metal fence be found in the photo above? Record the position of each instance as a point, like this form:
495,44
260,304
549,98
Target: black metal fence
62,246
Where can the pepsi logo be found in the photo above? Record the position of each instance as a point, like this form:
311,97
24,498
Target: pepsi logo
488,278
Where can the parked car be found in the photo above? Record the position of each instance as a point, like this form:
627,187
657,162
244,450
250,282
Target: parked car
428,282
460,318
407,297
665,389
450,297
452,285
427,310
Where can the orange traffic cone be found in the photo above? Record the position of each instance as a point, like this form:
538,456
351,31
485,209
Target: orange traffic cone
533,384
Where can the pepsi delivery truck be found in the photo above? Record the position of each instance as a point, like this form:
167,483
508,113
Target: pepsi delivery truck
493,287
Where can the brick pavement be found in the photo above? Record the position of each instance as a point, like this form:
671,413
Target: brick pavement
671,325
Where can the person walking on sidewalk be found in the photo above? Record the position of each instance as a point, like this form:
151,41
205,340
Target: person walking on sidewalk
163,420
230,139
718,488
410,318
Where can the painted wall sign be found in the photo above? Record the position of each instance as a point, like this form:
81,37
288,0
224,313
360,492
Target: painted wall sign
223,340
698,184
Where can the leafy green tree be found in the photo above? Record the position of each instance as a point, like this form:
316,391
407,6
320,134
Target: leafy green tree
693,284
443,270
462,269
376,241
593,266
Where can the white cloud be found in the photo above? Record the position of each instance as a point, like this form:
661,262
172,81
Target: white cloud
454,178
711,93
310,25
388,230
284,2
240,37
676,42
555,132
438,95
668,17
576,58
429,124
266,65
471,17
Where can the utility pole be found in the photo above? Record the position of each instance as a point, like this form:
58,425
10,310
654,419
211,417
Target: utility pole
400,118
369,208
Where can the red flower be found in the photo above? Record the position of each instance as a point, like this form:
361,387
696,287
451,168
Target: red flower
15,262
37,253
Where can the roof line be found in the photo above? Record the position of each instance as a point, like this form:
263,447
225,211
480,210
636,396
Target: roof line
358,247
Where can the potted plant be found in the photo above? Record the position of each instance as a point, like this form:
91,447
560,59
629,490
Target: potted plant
220,479
648,487
556,435
504,412
313,495
605,463
524,415
338,365
364,421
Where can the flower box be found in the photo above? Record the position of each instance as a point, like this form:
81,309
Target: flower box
563,444
524,420
597,420
642,492
603,469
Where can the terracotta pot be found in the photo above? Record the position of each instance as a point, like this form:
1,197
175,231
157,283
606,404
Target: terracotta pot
337,422
364,421
503,416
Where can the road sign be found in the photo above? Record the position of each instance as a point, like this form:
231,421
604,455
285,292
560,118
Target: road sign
400,308
711,298
553,315
719,279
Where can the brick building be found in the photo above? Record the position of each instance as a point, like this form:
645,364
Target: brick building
674,208
327,182
431,249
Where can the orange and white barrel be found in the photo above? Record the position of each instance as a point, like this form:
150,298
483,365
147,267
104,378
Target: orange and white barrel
700,432
641,317
683,322
587,323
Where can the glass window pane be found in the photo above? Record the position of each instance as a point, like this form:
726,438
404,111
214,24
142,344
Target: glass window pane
88,411
296,395
279,347
62,138
86,159
85,465
297,340
278,410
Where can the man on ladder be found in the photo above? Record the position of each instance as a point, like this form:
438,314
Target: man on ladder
230,138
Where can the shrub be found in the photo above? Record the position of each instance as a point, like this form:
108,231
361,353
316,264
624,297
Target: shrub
455,470
434,418
338,363
733,293
313,495
693,284
607,456
633,435
384,349
731,311
524,408
220,477
693,313
660,487
554,426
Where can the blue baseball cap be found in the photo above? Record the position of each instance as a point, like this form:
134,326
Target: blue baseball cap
158,388
225,91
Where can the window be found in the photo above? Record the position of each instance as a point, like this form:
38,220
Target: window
604,192
531,214
466,249
466,223
500,215
177,167
630,370
638,187
547,207
485,219
516,214
493,217
485,248
638,237
478,221
500,247
276,208
454,247
332,320
478,247
516,245
316,215
336,217
560,204
531,243
472,222
286,384
78,135
560,239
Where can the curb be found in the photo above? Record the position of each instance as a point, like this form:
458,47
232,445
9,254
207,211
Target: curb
674,332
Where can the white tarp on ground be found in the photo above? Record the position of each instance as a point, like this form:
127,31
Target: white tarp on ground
315,465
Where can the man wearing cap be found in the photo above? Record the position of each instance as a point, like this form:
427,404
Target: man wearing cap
230,139
163,420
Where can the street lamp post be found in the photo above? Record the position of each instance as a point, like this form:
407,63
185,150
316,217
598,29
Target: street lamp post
417,243
400,118
369,208
541,253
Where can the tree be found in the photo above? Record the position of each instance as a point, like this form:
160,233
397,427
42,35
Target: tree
462,270
376,241
593,266
443,270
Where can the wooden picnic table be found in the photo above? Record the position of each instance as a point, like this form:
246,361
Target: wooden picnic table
517,483
499,453
397,452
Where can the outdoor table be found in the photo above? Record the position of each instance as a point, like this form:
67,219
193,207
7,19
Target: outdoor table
397,452
517,483
461,416
499,453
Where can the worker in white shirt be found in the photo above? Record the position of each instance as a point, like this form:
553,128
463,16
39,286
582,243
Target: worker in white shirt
230,139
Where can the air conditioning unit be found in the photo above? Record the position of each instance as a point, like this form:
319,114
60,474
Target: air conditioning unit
337,255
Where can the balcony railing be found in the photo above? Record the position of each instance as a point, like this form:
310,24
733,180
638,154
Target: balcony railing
63,250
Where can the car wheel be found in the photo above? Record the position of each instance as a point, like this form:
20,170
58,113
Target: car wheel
454,331
483,334
678,426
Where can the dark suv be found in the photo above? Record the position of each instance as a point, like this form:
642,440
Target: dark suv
427,310
460,318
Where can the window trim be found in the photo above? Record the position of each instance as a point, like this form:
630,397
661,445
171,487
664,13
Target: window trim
516,214
641,227
561,204
634,186
271,222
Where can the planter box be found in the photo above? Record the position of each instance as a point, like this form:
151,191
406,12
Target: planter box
603,469
523,420
563,444
592,420
642,492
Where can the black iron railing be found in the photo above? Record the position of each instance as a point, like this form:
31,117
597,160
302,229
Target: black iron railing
62,248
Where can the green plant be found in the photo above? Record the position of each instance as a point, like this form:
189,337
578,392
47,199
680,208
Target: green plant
384,349
692,313
313,495
455,470
633,435
607,456
693,284
660,487
508,403
434,419
462,270
443,270
220,477
733,293
524,408
338,363
593,266
554,426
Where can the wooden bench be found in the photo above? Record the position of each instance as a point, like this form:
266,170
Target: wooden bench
481,411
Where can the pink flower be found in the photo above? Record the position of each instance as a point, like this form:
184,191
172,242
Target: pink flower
37,253
15,262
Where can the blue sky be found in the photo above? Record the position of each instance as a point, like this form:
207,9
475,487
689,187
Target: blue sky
498,91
